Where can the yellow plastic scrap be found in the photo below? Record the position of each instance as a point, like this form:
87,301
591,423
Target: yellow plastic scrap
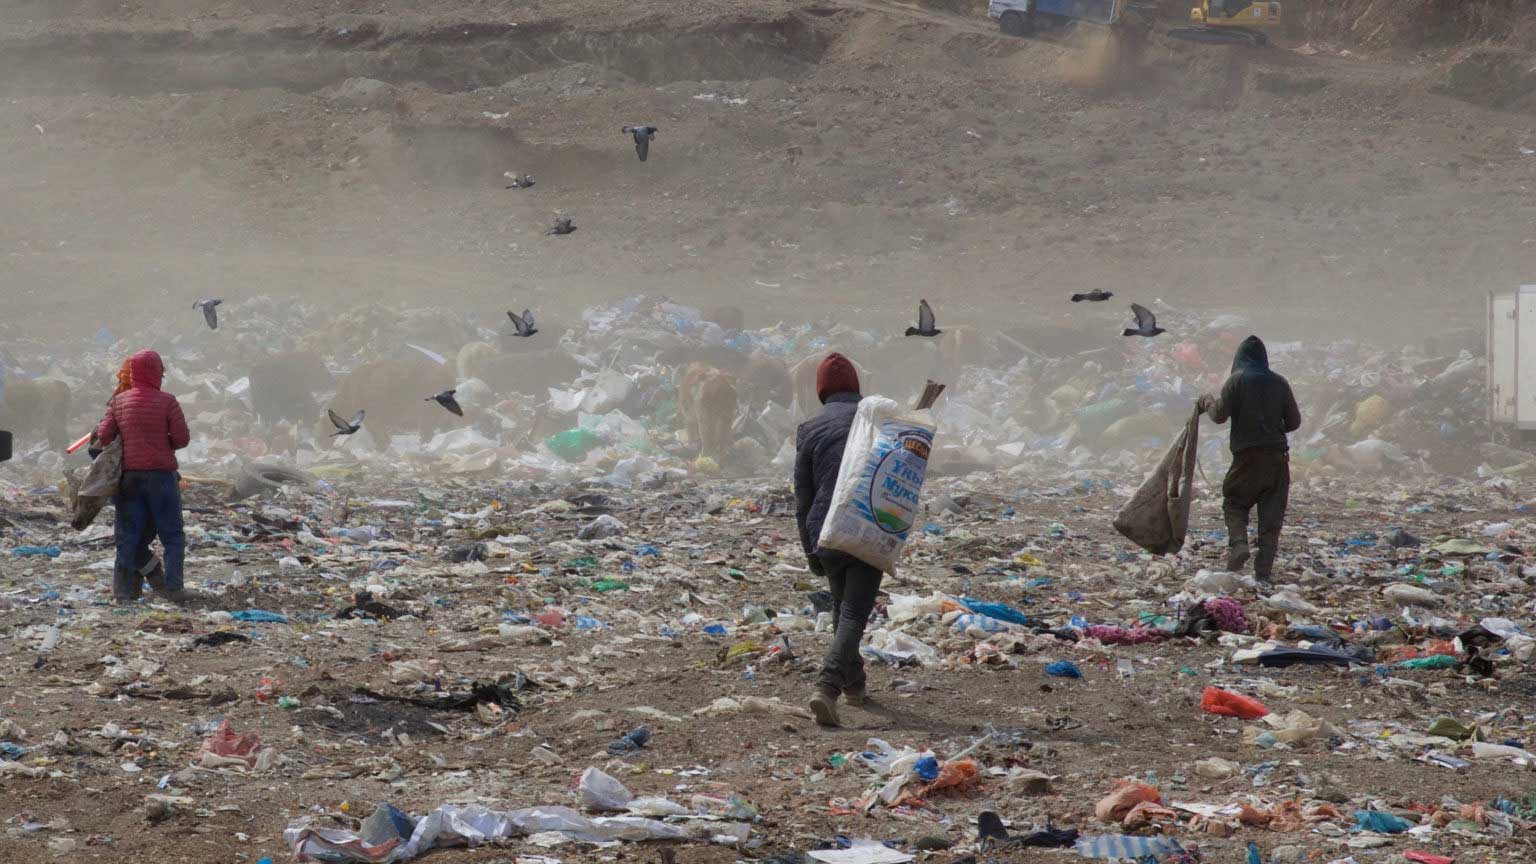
1369,414
742,649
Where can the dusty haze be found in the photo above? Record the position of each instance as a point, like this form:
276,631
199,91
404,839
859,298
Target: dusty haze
814,158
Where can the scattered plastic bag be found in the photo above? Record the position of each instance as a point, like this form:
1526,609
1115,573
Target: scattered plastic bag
1228,704
600,792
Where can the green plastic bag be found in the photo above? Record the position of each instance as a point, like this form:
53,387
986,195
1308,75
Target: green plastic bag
573,445
1438,661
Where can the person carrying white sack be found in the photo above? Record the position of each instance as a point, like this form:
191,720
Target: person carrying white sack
819,444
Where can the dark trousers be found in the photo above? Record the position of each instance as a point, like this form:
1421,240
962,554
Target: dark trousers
148,505
854,585
1257,478
144,562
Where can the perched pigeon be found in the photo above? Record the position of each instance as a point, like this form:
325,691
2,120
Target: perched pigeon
519,181
446,400
925,323
342,426
523,323
1094,296
1146,323
562,227
210,312
643,136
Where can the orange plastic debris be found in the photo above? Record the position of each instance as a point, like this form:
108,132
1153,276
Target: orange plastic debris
1127,794
953,775
1217,701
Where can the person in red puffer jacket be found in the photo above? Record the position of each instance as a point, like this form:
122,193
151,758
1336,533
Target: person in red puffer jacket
149,499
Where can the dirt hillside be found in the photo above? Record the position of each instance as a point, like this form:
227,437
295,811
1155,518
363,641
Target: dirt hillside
835,154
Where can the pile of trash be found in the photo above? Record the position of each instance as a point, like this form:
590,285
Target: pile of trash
555,627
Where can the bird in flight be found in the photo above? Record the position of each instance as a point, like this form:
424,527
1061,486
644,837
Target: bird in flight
523,323
926,326
1094,296
342,426
446,400
643,136
1146,323
210,312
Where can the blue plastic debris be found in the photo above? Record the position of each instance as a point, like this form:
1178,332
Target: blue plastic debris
37,551
927,768
1000,611
259,616
1381,823
1063,669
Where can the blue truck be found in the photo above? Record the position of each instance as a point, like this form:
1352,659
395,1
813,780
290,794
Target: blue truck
1019,17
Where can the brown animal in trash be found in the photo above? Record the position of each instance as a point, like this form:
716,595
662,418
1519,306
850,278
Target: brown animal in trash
390,391
905,367
528,372
283,386
766,379
706,405
37,408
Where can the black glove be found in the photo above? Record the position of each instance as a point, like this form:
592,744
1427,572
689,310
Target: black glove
815,563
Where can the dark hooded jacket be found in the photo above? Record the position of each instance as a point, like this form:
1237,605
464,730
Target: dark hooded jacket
1260,402
819,447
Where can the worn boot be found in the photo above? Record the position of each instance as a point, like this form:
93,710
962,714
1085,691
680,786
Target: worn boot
1264,565
1237,557
858,697
824,706
1237,540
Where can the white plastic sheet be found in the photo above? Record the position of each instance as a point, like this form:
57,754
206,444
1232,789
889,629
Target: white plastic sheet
470,826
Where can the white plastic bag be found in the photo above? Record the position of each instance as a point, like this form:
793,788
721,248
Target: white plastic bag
600,791
875,502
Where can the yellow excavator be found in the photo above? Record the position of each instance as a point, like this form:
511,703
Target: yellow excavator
1231,22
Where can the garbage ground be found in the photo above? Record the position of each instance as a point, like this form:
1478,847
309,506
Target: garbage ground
586,642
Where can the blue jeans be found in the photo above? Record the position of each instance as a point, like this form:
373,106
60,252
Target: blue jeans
148,503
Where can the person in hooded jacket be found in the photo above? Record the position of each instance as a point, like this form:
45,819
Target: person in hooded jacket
145,563
819,444
1263,411
153,428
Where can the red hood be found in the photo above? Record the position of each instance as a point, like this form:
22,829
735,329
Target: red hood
147,370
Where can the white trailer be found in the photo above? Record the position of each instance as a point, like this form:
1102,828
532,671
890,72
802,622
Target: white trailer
1512,362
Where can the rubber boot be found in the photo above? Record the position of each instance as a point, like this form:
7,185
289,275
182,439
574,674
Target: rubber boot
1264,565
1237,541
824,707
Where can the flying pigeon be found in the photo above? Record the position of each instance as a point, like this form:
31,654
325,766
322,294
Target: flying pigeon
210,312
562,227
519,181
643,136
523,323
342,426
446,400
925,323
1146,323
1094,296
